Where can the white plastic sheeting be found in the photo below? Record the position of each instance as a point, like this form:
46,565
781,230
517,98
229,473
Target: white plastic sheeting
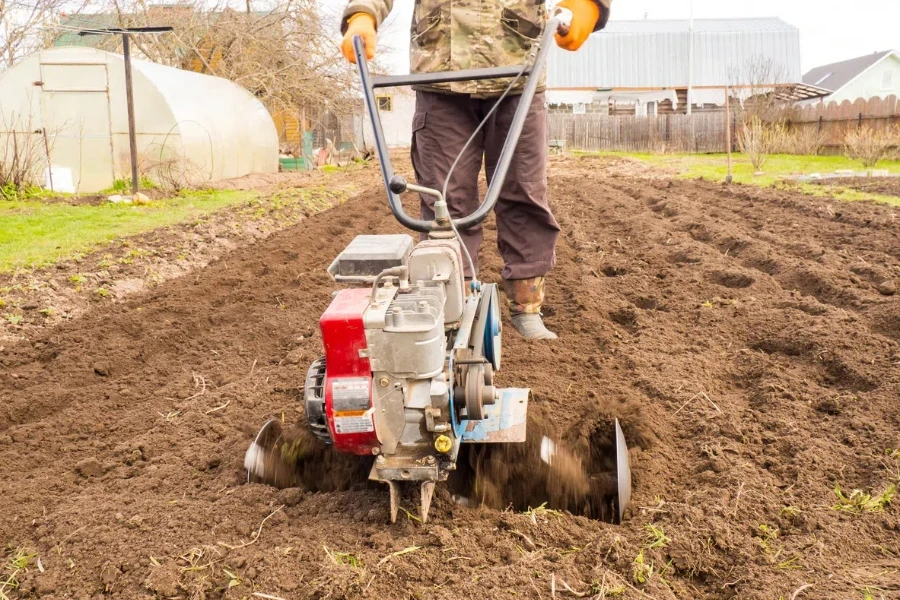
190,127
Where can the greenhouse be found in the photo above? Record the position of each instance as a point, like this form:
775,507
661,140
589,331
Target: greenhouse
63,111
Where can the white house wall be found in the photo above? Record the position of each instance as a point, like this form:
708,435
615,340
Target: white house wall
871,82
655,54
397,124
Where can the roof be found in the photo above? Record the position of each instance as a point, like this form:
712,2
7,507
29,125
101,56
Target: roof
836,75
71,24
656,54
767,24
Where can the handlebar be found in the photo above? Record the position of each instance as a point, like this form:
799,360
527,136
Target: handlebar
395,185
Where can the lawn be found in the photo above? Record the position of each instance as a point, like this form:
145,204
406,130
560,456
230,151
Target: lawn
35,233
777,169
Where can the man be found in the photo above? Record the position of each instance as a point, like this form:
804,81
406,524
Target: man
451,35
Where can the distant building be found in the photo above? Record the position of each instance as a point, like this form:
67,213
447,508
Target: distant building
646,65
874,75
396,107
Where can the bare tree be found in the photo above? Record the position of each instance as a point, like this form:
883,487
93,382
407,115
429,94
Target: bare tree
24,25
286,53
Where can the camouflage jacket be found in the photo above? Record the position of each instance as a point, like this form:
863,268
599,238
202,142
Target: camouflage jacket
451,35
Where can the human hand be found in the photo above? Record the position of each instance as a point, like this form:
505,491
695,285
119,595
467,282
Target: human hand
360,24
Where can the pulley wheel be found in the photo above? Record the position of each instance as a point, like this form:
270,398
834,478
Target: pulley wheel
493,327
474,393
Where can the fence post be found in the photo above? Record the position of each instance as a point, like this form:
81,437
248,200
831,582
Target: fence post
859,124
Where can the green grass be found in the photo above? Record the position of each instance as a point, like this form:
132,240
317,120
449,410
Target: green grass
34,233
780,166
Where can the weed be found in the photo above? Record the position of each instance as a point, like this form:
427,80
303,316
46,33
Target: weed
790,564
655,537
14,319
641,571
233,579
21,559
790,511
18,561
859,501
767,534
540,511
119,186
2,303
77,279
602,590
102,292
409,515
343,558
48,312
869,594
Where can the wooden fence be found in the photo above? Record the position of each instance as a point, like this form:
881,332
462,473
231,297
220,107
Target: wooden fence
832,121
700,132
705,131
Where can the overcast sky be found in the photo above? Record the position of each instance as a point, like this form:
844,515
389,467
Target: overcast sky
830,30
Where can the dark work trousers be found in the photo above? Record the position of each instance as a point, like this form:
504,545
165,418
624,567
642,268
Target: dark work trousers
526,229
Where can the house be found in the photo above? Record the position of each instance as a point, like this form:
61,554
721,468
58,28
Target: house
396,107
648,67
874,75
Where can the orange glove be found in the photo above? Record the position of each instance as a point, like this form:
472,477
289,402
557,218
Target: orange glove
359,24
585,14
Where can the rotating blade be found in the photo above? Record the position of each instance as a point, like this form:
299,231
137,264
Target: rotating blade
268,459
623,472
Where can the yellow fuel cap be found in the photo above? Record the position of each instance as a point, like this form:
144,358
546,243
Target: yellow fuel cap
443,444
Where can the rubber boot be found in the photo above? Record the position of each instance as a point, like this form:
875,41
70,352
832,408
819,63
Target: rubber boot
526,296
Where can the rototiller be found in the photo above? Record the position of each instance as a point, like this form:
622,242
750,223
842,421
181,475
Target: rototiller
411,349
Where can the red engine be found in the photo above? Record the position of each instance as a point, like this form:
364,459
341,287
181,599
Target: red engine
348,376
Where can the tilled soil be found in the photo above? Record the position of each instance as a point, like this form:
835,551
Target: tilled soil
747,339
887,186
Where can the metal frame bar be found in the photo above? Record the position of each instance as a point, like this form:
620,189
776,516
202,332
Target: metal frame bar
126,33
447,77
369,84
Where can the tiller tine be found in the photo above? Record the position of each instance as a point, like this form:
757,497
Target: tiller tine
426,494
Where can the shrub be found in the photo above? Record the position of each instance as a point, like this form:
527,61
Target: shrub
758,139
804,140
869,146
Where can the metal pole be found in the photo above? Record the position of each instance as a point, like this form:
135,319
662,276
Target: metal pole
49,160
690,60
129,97
728,178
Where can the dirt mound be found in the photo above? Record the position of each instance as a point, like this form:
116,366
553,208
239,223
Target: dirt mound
743,338
887,186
